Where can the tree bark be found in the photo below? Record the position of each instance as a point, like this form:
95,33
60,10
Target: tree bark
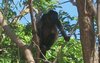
98,25
15,39
87,36
35,38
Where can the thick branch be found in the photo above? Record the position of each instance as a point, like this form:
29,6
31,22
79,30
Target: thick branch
98,25
15,39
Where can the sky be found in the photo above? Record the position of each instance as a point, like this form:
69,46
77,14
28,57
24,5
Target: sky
68,7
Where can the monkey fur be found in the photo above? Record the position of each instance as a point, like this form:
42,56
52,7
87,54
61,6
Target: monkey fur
47,30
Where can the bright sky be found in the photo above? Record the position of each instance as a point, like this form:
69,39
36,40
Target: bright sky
68,7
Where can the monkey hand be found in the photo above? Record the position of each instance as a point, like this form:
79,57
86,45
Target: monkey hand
67,38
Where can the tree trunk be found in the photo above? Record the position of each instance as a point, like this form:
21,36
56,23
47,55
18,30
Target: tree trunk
87,37
98,23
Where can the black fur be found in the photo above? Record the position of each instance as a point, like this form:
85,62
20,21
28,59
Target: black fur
47,30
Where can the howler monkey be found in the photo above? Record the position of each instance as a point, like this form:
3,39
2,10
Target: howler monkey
47,30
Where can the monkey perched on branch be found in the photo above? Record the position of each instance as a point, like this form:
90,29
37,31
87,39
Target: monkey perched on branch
47,30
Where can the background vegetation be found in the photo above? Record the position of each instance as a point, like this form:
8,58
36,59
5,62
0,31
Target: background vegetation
62,52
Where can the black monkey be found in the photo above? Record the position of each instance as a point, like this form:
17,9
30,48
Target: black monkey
47,30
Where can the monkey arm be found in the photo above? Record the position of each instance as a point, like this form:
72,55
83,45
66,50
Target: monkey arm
61,29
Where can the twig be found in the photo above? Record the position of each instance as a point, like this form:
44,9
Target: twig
73,29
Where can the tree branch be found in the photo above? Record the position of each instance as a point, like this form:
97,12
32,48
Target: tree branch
91,7
35,38
15,39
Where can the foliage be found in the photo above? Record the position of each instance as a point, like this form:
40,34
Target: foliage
45,5
70,52
64,52
11,51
